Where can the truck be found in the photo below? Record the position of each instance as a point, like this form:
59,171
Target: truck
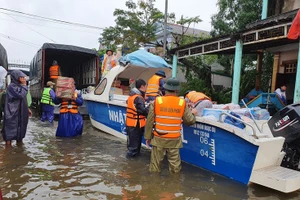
3,57
80,63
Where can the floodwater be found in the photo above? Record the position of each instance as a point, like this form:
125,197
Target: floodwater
94,166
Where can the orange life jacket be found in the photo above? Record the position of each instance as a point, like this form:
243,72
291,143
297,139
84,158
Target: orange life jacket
113,63
69,106
132,117
53,71
153,86
168,111
195,97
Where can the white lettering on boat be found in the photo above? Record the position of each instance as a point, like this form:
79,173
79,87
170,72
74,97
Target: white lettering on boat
117,116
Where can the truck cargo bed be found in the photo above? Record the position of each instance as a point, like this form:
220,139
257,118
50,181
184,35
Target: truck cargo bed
79,63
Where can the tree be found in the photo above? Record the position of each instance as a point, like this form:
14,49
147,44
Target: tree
141,22
134,27
233,16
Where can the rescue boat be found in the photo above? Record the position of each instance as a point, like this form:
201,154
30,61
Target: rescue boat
249,155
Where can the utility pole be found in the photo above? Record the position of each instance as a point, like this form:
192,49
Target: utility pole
165,27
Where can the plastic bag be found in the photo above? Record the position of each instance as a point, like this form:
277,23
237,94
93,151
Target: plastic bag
3,74
234,122
260,114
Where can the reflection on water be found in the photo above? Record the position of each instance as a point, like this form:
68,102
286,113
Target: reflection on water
94,166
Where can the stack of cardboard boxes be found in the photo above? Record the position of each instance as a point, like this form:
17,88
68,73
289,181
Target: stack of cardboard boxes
65,87
126,90
116,83
120,89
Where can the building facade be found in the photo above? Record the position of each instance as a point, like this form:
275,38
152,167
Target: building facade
269,34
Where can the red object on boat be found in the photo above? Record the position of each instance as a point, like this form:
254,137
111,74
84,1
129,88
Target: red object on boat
294,31
1,197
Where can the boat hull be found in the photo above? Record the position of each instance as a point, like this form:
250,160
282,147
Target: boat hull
204,145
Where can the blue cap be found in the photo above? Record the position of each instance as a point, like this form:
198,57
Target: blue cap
161,73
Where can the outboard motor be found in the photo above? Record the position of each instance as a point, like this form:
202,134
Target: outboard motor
285,123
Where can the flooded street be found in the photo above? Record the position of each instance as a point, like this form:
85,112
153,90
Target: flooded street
94,166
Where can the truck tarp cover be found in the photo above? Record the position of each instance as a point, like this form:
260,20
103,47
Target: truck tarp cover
64,47
55,51
3,57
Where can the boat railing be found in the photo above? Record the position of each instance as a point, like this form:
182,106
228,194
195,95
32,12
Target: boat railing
240,120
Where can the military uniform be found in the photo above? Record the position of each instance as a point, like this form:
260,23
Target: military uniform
166,139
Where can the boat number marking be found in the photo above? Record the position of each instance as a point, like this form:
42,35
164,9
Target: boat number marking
207,147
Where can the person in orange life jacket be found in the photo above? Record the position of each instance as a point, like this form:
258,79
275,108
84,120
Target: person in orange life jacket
136,118
109,62
164,124
197,100
70,121
54,71
155,86
47,103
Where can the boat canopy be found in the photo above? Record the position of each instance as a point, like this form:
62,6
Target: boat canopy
142,58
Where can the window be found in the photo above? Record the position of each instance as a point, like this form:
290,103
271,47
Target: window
290,67
101,87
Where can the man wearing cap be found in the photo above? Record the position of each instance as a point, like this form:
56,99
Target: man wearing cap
155,86
164,124
47,103
109,62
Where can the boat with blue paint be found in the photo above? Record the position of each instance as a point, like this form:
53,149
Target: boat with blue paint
249,155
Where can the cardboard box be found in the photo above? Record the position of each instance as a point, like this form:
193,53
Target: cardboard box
116,83
126,92
65,87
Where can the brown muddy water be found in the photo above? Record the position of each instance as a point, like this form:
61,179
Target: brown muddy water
93,166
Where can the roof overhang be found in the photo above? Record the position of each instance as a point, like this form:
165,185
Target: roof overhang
258,36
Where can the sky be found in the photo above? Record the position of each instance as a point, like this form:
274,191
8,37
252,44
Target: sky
97,13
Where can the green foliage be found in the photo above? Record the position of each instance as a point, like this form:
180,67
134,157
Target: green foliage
101,52
195,67
134,26
247,82
234,15
183,38
196,84
139,24
221,96
267,71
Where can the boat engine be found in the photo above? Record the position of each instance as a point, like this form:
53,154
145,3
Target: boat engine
285,123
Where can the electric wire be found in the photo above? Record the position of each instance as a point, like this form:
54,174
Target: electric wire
32,29
52,19
19,41
59,28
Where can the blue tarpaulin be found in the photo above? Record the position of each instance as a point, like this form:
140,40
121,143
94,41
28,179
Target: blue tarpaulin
145,59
